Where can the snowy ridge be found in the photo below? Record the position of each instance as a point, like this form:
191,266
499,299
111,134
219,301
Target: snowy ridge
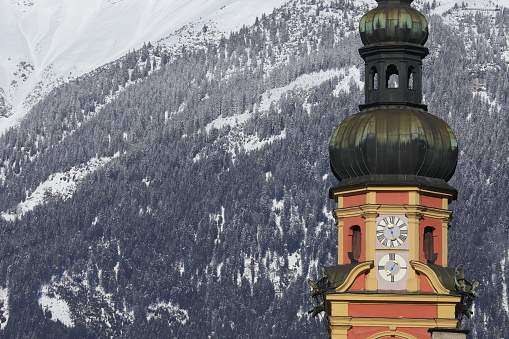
51,41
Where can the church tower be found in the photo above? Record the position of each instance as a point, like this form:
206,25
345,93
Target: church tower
393,160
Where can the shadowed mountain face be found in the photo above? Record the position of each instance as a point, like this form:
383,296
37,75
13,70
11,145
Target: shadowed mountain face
187,196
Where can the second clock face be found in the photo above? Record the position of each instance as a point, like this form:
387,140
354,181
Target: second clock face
391,231
392,267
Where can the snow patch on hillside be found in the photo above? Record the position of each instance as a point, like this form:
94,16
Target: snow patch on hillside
4,307
277,209
295,263
159,309
232,121
54,307
218,220
307,81
505,294
60,185
273,263
349,77
80,296
253,142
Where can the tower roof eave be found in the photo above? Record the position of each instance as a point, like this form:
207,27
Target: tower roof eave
395,180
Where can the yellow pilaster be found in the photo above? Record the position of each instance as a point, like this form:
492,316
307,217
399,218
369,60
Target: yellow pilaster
445,240
414,216
370,214
414,198
339,332
339,201
371,198
340,223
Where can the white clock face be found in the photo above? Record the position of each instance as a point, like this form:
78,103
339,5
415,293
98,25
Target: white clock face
392,267
391,231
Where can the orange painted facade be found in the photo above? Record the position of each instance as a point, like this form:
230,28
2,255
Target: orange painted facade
392,198
425,286
396,310
359,284
354,200
430,201
365,309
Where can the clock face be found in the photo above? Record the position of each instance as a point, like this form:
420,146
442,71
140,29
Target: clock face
391,231
392,267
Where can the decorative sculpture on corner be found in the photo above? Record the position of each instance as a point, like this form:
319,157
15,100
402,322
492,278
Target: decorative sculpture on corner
316,294
468,291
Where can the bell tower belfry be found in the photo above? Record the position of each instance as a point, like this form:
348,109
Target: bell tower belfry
393,160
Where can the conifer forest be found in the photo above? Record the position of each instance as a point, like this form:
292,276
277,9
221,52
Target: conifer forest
184,193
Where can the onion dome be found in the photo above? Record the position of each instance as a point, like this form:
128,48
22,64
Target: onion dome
389,145
393,21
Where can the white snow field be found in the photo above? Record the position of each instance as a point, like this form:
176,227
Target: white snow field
45,42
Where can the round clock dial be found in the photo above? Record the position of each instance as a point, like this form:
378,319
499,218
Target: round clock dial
391,231
392,267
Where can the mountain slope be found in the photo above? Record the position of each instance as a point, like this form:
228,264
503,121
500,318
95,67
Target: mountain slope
205,207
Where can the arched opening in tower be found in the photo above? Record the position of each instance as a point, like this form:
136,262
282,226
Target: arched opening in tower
392,77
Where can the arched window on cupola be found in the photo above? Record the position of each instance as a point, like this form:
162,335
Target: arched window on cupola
429,245
411,77
392,77
373,78
356,235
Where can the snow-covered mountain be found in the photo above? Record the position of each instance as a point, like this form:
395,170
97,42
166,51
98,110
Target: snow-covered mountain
46,42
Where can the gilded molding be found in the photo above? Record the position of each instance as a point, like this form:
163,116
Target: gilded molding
409,210
397,322
391,298
354,191
354,274
430,275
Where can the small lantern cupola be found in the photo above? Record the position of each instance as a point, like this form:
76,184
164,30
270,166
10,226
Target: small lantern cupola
393,35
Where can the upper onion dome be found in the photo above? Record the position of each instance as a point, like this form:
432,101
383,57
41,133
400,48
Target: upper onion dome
394,21
393,145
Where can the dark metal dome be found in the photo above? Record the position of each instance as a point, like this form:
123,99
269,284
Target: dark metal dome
393,21
393,145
